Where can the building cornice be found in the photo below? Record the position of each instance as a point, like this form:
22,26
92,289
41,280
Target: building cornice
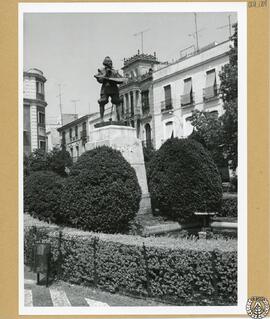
35,102
36,75
68,125
165,77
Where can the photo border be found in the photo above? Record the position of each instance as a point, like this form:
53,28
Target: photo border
166,7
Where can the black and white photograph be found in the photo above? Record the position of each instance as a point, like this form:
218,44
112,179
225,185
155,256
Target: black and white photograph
132,158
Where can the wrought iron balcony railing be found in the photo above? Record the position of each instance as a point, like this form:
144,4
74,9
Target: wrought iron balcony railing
210,93
187,100
166,105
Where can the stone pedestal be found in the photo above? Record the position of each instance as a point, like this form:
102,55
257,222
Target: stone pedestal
123,138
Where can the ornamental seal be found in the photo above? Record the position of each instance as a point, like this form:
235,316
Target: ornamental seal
257,307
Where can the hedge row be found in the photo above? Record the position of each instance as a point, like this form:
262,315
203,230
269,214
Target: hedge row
229,206
187,272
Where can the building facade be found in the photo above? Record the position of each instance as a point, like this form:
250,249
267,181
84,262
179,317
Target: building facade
74,135
34,105
158,98
137,93
190,83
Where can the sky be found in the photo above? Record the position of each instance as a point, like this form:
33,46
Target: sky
70,47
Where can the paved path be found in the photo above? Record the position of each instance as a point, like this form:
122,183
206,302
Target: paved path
57,298
61,294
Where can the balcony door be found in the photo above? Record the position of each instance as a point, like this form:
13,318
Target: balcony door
168,96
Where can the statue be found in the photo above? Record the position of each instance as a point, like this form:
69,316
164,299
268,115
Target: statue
109,78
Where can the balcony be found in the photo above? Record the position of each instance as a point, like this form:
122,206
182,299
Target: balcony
187,100
41,131
210,93
84,136
166,105
40,96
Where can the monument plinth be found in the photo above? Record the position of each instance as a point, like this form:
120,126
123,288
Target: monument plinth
123,138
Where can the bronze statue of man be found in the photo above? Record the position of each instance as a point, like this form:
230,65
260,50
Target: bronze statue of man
109,78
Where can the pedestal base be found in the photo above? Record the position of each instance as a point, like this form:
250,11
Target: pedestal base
123,138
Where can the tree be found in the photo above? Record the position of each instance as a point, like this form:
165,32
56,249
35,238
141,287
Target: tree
102,192
36,161
183,179
59,160
219,135
229,92
56,161
208,131
42,195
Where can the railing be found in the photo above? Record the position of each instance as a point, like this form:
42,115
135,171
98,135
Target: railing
210,93
84,136
187,99
145,107
41,131
166,105
40,96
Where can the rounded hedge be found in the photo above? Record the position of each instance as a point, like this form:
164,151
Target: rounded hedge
102,192
42,195
184,179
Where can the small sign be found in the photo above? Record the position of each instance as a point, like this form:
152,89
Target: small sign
42,257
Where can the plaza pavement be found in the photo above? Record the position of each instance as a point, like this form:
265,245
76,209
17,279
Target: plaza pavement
62,294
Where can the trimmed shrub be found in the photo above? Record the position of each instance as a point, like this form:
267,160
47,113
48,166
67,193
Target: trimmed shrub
102,192
42,195
182,272
229,206
184,179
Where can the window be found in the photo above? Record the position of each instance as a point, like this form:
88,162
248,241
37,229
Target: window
41,118
42,145
76,131
210,89
145,101
187,97
169,130
70,133
40,87
131,104
168,96
40,90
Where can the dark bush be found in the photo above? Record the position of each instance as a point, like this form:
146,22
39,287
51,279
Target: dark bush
59,160
182,272
184,179
42,195
102,192
228,206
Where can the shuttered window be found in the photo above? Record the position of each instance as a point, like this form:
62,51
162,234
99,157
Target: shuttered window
210,90
168,96
186,98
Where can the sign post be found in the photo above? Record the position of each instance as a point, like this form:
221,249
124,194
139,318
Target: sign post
42,254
